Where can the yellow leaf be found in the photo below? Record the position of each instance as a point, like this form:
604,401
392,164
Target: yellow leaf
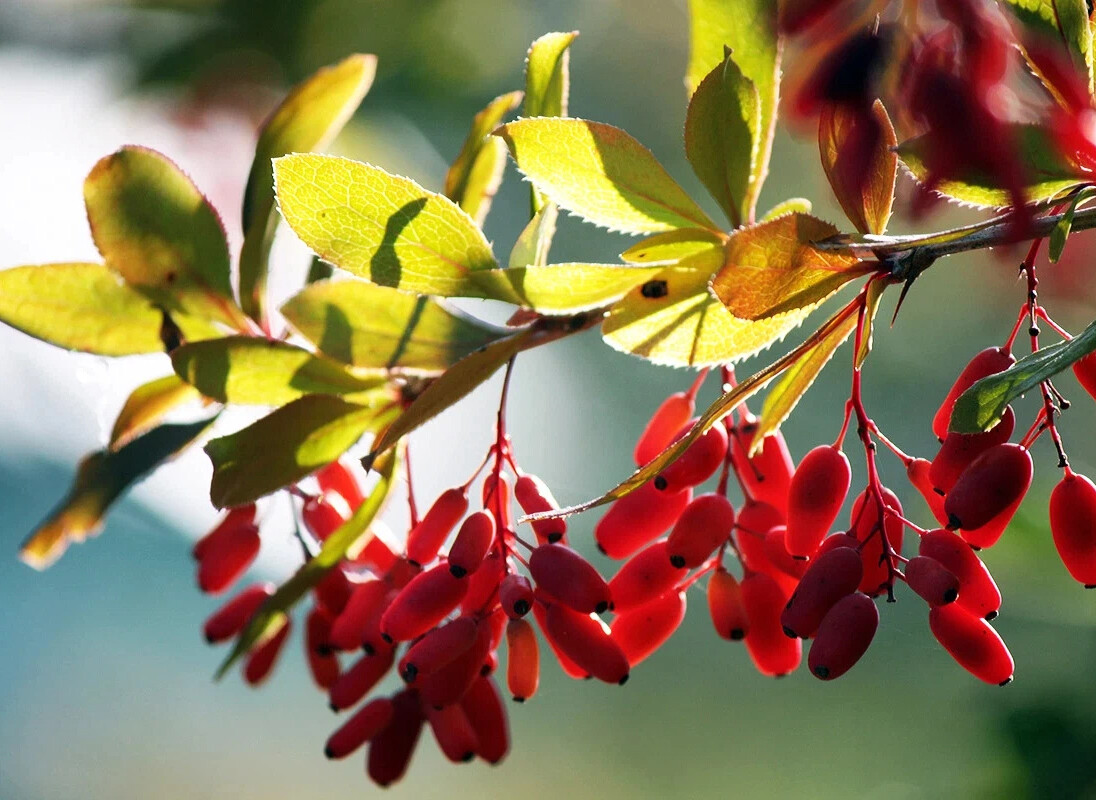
146,407
569,288
867,199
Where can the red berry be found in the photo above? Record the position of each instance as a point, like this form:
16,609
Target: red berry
586,640
483,584
339,477
1085,370
515,596
227,621
390,750
321,517
704,525
425,539
698,463
500,507
422,604
227,557
534,497
973,643
725,606
645,577
359,680
988,493
959,450
450,683
483,705
437,648
473,541
262,658
844,635
773,653
366,601
333,591
978,593
987,362
322,663
918,473
1073,524
866,528
367,722
934,582
640,631
453,732
569,578
663,427
522,660
373,555
768,474
638,518
816,494
239,517
777,553
830,577
569,667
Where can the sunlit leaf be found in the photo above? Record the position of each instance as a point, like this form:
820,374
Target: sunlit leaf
382,227
309,118
567,288
865,199
871,307
793,205
155,229
723,137
474,177
601,174
1058,236
980,407
352,535
534,242
1058,22
675,245
772,268
146,407
1048,170
286,445
249,370
376,327
101,479
547,85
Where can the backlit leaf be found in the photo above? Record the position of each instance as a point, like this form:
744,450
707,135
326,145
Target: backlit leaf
871,307
1059,22
674,246
146,407
601,174
535,240
474,177
547,86
865,199
568,288
792,205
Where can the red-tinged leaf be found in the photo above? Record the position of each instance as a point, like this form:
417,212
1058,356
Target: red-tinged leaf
859,160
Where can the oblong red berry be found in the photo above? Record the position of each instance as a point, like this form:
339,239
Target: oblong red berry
638,518
988,362
776,551
1085,370
333,591
934,582
425,539
261,659
569,667
450,683
454,734
483,705
830,577
437,648
773,653
348,627
669,418
367,722
534,497
359,680
339,477
321,517
704,525
918,473
586,641
978,592
988,493
725,606
753,524
483,584
698,463
390,750
230,619
500,506
322,663
1073,525
644,577
373,554
424,602
238,517
640,631
815,496
767,476
866,528
515,595
474,539
971,641
844,635
522,660
959,451
569,578
227,557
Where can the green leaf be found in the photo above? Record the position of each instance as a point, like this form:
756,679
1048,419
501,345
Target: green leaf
723,136
980,407
773,268
352,535
83,307
155,229
866,199
382,227
249,370
1047,170
1061,231
101,479
792,205
601,174
374,327
546,75
871,307
569,288
146,407
534,242
309,118
286,445
474,177
674,319
1059,22
748,28
674,246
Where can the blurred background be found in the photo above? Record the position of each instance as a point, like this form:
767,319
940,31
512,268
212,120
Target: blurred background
105,683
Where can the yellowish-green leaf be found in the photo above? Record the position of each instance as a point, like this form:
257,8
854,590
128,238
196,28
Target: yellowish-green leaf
865,196
723,137
249,370
569,288
676,245
101,479
309,118
534,242
146,407
286,445
546,75
352,535
155,229
772,268
1058,23
601,174
375,327
793,205
382,227
871,307
474,177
